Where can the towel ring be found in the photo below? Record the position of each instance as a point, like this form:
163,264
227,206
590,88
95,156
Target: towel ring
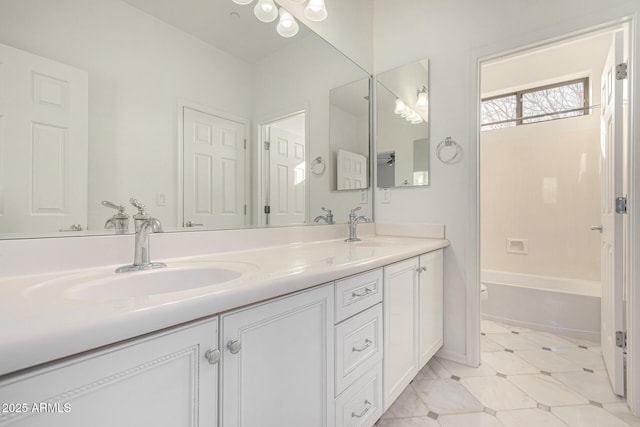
448,142
318,166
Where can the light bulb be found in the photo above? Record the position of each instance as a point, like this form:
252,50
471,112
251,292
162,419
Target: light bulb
287,25
265,11
400,107
416,120
422,100
315,10
243,2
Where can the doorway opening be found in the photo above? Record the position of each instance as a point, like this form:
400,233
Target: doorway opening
283,159
551,151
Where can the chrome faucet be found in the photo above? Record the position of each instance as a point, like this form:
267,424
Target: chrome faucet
353,221
328,218
145,225
119,222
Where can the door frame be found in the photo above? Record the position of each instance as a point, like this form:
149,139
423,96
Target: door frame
631,237
260,184
181,105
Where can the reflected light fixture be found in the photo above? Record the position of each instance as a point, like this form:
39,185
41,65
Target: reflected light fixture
400,107
265,11
287,25
315,10
407,113
422,98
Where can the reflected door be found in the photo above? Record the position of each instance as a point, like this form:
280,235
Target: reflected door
352,170
214,171
43,143
611,242
286,176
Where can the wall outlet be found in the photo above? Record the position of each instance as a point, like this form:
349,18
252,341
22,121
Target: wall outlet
386,195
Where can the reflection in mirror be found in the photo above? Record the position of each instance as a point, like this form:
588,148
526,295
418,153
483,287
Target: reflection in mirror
349,138
402,113
168,102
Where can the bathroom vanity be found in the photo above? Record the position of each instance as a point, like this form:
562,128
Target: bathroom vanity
316,334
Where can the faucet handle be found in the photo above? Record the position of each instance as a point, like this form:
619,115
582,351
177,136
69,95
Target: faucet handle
328,211
354,210
137,204
111,205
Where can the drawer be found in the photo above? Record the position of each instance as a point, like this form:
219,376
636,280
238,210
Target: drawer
358,346
360,405
357,293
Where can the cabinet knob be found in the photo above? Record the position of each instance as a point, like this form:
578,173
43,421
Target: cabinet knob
421,269
212,356
234,346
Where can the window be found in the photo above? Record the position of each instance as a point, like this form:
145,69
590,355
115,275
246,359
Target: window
556,101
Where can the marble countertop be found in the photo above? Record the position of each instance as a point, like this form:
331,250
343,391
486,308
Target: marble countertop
43,319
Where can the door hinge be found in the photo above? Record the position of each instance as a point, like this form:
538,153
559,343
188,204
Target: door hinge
621,71
267,209
267,145
245,209
621,205
245,143
621,339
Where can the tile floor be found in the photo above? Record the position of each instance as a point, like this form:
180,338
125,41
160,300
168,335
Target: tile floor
527,378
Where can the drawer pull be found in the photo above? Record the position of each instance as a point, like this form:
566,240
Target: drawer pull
366,292
364,411
367,344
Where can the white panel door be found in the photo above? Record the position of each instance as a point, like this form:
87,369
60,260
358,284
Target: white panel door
287,177
277,363
352,170
611,242
43,143
214,170
400,306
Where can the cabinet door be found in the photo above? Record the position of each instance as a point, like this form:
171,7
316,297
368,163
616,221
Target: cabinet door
277,367
431,305
400,328
163,380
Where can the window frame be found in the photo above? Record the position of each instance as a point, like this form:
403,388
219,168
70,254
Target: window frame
518,120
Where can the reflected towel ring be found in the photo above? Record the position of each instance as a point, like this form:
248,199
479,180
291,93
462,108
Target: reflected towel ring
318,166
448,142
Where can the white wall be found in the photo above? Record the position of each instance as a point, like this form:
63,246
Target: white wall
541,182
136,75
454,35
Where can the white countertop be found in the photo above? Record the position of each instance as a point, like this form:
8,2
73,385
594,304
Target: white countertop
42,321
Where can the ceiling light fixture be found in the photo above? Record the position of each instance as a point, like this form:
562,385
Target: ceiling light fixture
243,2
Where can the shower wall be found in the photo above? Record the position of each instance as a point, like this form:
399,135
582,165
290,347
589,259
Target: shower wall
540,182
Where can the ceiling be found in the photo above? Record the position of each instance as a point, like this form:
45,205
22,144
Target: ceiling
221,23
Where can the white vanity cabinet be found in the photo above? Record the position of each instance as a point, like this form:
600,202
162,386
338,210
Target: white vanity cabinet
277,362
413,319
167,379
400,301
431,305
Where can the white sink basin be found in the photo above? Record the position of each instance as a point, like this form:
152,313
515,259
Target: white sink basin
106,285
151,282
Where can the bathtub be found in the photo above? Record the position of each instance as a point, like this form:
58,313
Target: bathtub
564,306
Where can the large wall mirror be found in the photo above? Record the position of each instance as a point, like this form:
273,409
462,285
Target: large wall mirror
195,108
402,139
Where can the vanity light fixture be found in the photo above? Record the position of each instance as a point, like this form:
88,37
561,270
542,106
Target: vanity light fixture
242,2
400,107
407,113
265,11
422,98
315,10
287,25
